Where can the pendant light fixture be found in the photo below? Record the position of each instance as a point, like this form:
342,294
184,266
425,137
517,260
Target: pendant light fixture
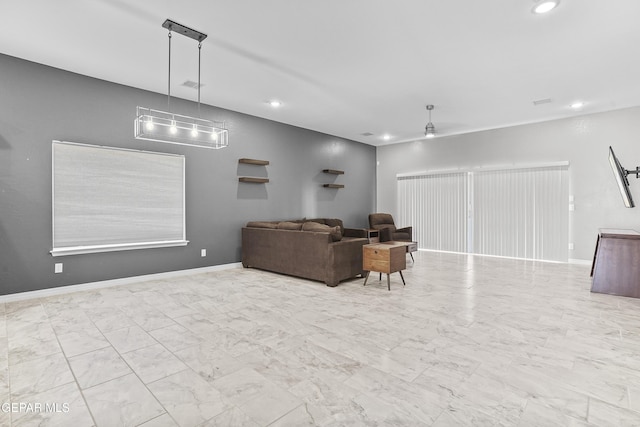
430,129
172,128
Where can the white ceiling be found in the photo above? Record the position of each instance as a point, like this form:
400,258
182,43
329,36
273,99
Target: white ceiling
346,67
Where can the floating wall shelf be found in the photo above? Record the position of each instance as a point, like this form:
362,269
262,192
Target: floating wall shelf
333,171
253,180
254,162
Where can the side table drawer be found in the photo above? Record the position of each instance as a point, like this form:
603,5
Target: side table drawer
375,259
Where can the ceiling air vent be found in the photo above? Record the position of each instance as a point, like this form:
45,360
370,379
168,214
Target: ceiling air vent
366,134
542,101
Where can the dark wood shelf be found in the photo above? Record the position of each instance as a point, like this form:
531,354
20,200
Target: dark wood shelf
333,171
253,180
254,162
333,186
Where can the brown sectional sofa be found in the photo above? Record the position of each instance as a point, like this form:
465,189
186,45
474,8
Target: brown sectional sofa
318,249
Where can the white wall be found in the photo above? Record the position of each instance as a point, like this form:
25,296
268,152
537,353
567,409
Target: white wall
582,140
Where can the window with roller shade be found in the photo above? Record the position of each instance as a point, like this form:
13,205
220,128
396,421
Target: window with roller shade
110,199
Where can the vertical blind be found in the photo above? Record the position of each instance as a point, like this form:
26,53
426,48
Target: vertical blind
515,212
107,199
436,206
522,213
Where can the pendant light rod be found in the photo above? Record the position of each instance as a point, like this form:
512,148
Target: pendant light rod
199,52
169,76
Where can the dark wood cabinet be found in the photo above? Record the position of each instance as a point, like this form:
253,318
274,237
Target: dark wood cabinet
616,263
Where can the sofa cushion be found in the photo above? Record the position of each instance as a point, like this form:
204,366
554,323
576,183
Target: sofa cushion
333,222
391,227
402,236
288,225
336,234
317,220
262,224
315,226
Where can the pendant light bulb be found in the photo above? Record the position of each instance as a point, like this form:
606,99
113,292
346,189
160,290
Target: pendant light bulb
173,129
194,131
149,124
430,129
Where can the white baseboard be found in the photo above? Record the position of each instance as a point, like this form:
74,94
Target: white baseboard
61,290
570,261
579,261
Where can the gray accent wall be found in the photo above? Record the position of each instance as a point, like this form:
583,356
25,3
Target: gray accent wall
39,104
582,140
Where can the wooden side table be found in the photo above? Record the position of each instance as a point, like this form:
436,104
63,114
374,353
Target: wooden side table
384,258
412,247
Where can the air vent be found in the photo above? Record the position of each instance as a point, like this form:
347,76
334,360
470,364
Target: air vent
366,134
192,84
542,101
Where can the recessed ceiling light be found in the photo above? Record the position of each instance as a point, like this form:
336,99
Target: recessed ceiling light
545,6
577,105
275,103
386,137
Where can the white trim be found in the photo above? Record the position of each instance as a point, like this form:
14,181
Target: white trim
484,169
494,256
109,147
76,250
579,261
43,293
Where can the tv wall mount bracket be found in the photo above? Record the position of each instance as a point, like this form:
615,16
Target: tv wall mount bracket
632,172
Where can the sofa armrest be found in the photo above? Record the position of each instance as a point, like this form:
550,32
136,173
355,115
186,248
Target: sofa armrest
345,260
355,232
384,234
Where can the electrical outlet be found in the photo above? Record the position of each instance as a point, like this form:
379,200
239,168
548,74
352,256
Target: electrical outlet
203,252
570,246
58,267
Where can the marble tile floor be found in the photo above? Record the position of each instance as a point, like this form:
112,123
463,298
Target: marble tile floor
469,341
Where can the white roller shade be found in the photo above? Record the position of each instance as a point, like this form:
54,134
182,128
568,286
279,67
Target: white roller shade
107,199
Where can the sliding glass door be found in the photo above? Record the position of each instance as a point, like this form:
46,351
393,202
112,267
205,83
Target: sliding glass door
519,212
436,206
